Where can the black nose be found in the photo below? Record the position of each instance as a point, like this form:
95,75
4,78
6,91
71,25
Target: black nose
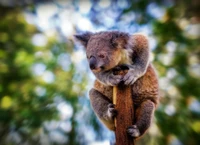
92,66
92,63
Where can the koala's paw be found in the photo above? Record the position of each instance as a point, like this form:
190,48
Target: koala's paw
112,112
130,77
133,131
114,80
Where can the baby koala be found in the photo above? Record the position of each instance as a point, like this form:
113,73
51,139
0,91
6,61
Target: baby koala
113,51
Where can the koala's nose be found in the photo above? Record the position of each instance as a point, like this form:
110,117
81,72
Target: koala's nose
92,63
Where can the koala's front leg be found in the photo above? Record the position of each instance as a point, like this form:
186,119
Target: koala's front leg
143,115
140,58
109,78
103,108
134,72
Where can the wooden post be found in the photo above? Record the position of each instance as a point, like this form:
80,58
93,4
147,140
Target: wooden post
124,105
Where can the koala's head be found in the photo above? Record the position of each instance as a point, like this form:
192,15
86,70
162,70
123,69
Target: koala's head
104,50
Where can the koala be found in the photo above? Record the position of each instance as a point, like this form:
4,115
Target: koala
109,52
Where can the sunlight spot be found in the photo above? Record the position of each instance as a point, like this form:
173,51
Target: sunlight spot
164,83
154,130
38,68
128,18
84,24
166,59
193,59
193,30
76,88
170,110
122,4
66,110
30,18
145,29
171,46
44,13
84,6
51,33
40,91
106,142
195,106
66,126
171,73
66,23
58,137
64,61
175,141
183,23
151,56
51,125
48,77
38,54
104,3
155,10
39,40
195,70
78,56
67,28
172,91
152,42
109,20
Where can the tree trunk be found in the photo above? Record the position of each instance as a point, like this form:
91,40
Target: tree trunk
124,104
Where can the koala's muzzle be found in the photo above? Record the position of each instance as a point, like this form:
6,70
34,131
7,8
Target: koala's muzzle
92,63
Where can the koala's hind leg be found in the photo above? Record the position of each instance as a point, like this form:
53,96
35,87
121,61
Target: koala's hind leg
143,117
103,108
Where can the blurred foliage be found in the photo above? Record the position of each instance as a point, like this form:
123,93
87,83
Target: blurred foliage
36,80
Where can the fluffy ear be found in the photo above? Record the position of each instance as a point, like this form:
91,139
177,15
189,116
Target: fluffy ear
83,38
119,39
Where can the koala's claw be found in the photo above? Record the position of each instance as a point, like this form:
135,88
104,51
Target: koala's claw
129,78
133,131
112,112
110,105
114,80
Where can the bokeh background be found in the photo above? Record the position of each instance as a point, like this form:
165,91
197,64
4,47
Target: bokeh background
44,76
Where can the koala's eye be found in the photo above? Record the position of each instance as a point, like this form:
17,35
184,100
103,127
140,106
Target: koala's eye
102,56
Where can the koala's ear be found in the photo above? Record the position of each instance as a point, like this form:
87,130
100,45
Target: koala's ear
83,38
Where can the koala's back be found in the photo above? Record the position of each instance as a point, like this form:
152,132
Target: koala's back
145,88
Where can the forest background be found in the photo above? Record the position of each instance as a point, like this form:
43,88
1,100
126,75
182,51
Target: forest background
44,76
